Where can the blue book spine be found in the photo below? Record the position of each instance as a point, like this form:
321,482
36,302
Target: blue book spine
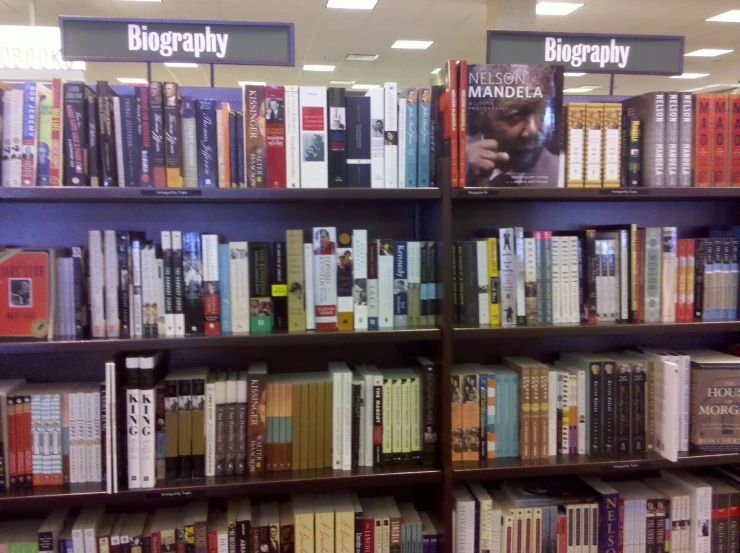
224,288
483,398
425,136
412,122
130,139
400,286
358,141
205,113
514,426
502,438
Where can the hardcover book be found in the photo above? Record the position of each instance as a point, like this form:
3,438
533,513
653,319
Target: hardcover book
400,285
412,139
279,286
172,138
649,109
223,141
75,137
360,279
424,137
296,281
143,118
720,139
130,136
156,121
612,142
703,132
192,270
12,138
314,170
44,133
205,125
734,140
339,134
55,154
390,132
189,142
260,299
211,285
254,135
594,135
671,139
292,138
359,153
276,136
324,277
533,161
685,146
24,284
30,129
345,267
377,143
241,168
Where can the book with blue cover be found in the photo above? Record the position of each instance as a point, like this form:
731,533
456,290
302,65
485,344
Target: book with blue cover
400,286
412,121
424,137
225,288
205,126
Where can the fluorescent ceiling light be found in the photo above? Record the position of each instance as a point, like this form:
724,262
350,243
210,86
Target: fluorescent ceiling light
361,57
708,53
556,8
735,85
252,83
181,65
364,86
732,16
327,68
352,4
436,70
342,83
140,0
412,44
574,74
690,76
131,80
578,89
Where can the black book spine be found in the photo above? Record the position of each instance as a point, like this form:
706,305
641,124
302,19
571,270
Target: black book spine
337,138
455,294
639,422
424,294
624,407
593,268
661,512
378,426
429,430
231,423
192,268
184,446
720,510
240,167
470,284
356,421
610,408
156,120
75,135
460,284
650,526
243,535
93,156
130,132
178,296
171,463
198,457
205,122
78,282
233,145
124,296
108,171
358,141
700,256
634,159
161,429
144,137
734,522
221,434
260,289
595,407
279,286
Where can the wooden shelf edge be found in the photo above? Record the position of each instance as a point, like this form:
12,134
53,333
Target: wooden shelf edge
582,464
594,194
212,195
278,483
480,333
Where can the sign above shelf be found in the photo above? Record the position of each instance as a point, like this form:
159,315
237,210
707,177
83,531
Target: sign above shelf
161,40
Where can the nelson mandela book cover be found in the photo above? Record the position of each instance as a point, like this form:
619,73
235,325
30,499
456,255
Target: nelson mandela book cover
513,120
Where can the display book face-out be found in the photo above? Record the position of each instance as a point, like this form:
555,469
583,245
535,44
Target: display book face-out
513,118
24,293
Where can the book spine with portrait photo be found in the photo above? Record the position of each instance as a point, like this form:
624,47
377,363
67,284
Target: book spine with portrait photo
172,135
30,133
575,122
325,277
260,299
279,286
400,285
254,135
189,142
672,139
157,127
223,141
359,154
296,284
424,137
207,147
373,295
507,261
192,274
390,134
275,136
314,154
339,136
360,279
144,139
345,267
292,138
377,141
75,138
412,138
211,283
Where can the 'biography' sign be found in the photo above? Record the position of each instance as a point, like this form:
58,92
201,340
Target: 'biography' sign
154,40
589,53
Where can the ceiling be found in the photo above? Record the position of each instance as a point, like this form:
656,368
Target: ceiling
457,27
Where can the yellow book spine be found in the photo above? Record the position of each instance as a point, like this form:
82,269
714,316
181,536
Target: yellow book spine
344,531
320,421
325,532
405,384
575,156
304,533
612,144
493,285
594,151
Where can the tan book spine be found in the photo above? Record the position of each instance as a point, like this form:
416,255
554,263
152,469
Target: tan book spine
283,426
289,430
405,384
270,427
296,285
312,429
612,143
185,426
576,121
397,414
304,425
295,396
344,531
304,533
544,413
328,395
388,420
594,134
525,421
534,385
325,531
320,421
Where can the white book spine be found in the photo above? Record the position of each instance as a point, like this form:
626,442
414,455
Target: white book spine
97,464
118,131
147,437
169,289
109,387
308,286
367,421
593,157
557,295
390,112
507,262
159,287
377,140
82,437
401,106
573,292
112,322
292,139
210,411
136,278
684,363
465,527
614,281
484,303
325,278
222,542
314,165
566,402
485,523
132,440
177,303
347,420
582,401
385,286
13,134
78,540
97,280
521,307
624,284
496,523
239,286
336,422
668,269
359,289
89,536
552,413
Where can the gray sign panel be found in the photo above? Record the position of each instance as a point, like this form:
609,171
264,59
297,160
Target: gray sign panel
158,40
589,53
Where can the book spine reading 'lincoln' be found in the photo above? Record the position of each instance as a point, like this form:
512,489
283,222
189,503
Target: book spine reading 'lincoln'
254,112
156,121
205,124
275,130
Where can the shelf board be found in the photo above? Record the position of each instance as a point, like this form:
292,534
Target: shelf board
236,341
581,464
212,195
227,486
595,194
604,329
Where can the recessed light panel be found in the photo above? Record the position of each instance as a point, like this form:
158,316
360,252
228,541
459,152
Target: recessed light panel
412,44
326,68
732,16
361,57
690,76
556,8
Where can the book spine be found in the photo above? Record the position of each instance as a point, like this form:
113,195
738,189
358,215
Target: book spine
75,139
493,281
132,426
157,136
391,134
292,138
576,116
296,281
324,276
484,313
609,404
424,138
658,169
192,269
373,297
240,287
469,286
612,145
197,421
254,139
260,291
240,151
508,271
184,428
125,283
358,147
703,135
314,167
275,113
173,144
668,274
340,134
131,145
360,279
547,275
224,288
255,431
412,138
685,138
734,124
147,431
402,114
452,121
386,283
189,142
207,146
136,298
279,286
672,139
143,117
30,133
521,307
223,141
720,138
594,123
400,285
653,277
377,140
56,146
211,285
532,297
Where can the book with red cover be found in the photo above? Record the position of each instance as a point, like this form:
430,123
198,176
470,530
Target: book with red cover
703,127
24,293
735,140
275,123
254,135
462,121
720,139
449,114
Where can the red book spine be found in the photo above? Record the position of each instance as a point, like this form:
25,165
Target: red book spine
224,115
12,447
27,441
275,123
735,142
212,541
156,542
55,155
368,530
562,534
690,267
703,126
463,118
452,117
720,139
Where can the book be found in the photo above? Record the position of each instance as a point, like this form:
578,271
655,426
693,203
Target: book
254,135
575,113
672,139
703,125
377,140
359,151
360,279
720,139
390,132
314,156
223,140
613,132
240,289
189,142
74,135
292,138
192,274
156,118
411,136
325,278
207,146
257,375
212,291
424,137
594,135
56,150
279,285
172,135
260,299
296,281
649,109
734,123
685,123
144,138
339,136
275,132
26,311
44,143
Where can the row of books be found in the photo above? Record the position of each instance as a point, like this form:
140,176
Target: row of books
339,522
607,404
69,134
210,423
618,273
124,286
677,511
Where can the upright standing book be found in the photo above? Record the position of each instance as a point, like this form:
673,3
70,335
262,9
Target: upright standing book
338,138
276,136
192,271
412,139
390,133
260,299
189,142
359,153
424,137
172,138
75,137
144,137
207,148
377,144
156,117
254,135
345,282
30,137
292,138
314,168
649,109
325,277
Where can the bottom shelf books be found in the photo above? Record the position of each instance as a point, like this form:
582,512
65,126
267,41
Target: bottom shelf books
677,512
339,522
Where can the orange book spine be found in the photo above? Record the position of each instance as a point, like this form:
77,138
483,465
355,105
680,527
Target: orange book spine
463,129
690,267
735,142
703,126
720,139
453,118
491,428
282,410
289,428
269,408
227,144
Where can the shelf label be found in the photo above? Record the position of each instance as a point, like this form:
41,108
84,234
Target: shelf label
587,52
171,192
189,494
624,466
624,192
480,192
158,40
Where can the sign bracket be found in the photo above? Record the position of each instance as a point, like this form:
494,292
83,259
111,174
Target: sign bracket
148,71
213,76
611,84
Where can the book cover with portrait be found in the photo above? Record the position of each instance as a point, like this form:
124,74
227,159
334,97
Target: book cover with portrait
513,118
24,293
